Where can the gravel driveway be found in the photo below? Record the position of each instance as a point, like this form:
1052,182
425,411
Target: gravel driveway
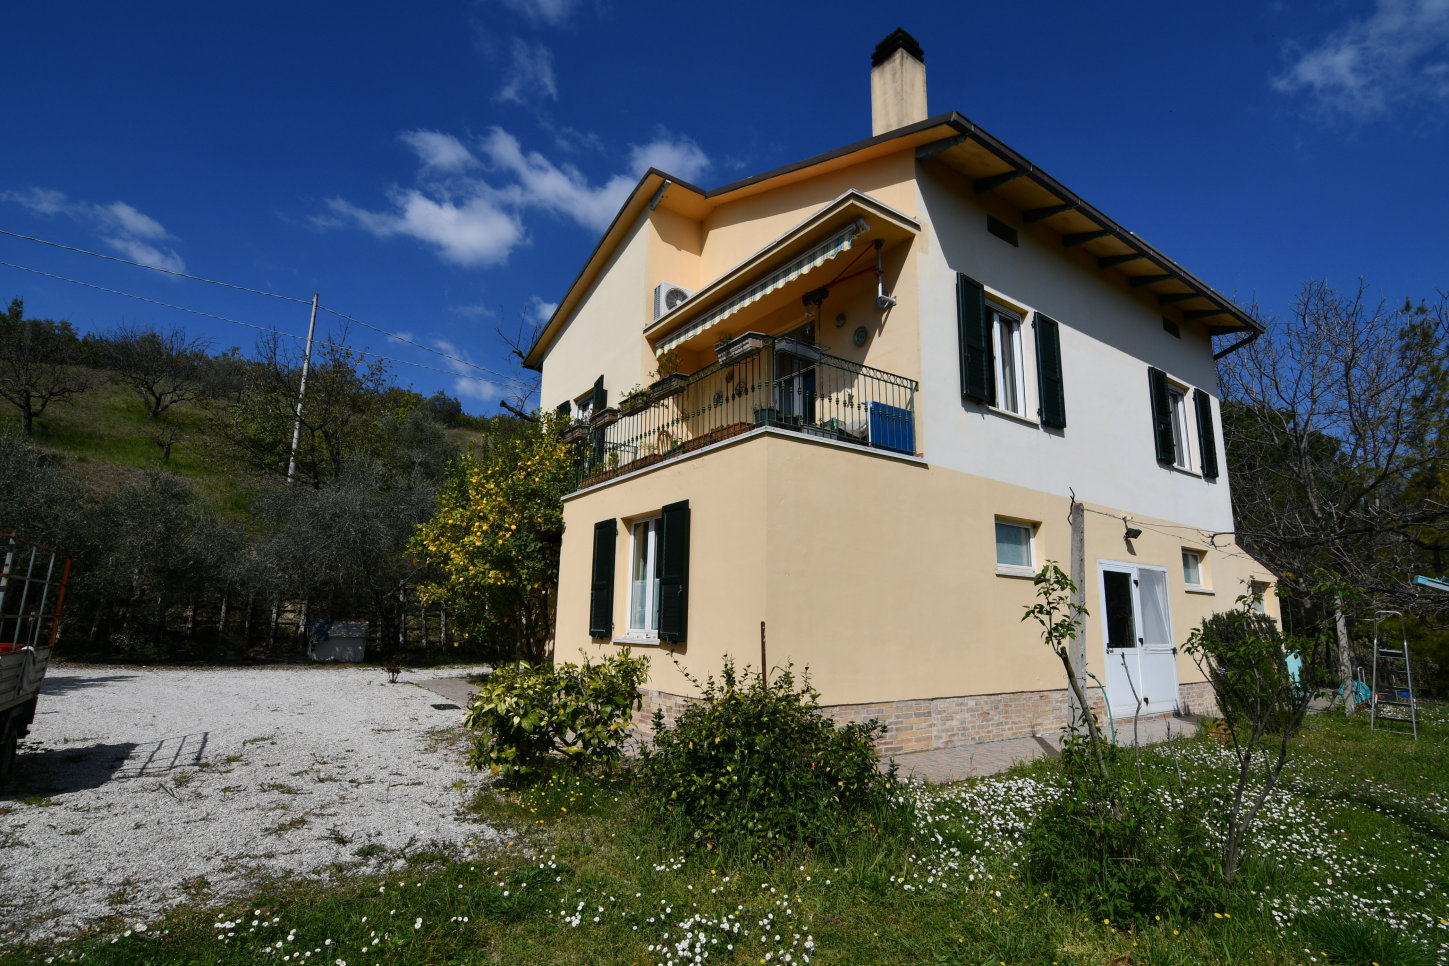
139,788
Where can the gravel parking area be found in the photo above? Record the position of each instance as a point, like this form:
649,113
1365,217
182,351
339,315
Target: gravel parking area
142,788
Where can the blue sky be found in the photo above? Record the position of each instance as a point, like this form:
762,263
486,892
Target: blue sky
442,169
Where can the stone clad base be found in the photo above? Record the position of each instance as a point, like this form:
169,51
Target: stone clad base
922,724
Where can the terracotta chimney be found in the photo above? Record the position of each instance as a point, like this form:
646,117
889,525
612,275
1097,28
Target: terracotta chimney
897,83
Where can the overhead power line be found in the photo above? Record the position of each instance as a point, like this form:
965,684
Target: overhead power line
513,380
155,268
419,345
142,298
224,318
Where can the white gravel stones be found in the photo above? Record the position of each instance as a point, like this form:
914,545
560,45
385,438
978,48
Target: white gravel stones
142,788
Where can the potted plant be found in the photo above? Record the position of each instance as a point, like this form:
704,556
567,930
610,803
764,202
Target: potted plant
671,381
635,400
605,417
575,431
729,350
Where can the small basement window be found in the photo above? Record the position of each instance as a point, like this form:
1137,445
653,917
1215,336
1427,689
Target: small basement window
1015,553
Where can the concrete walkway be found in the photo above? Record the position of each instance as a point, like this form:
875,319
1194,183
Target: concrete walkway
938,764
990,757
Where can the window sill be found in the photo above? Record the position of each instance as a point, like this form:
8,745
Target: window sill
1011,415
1011,570
1199,589
635,641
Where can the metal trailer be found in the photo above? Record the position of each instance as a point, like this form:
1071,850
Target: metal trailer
32,593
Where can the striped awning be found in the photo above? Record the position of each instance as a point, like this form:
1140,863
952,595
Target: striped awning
814,258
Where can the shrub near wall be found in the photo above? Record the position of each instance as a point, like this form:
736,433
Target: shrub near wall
753,763
525,712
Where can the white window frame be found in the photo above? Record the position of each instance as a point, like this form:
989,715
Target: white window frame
1183,426
583,407
648,529
1259,590
1006,332
1201,585
1017,570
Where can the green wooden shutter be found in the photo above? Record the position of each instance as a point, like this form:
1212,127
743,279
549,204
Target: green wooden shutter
564,408
1049,372
977,379
673,564
1161,416
1205,434
601,398
601,591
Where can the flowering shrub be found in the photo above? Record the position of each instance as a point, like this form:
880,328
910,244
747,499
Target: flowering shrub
524,712
496,536
755,763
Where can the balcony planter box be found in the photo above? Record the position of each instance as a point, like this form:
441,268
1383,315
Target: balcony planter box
671,385
575,432
635,404
798,349
605,417
739,347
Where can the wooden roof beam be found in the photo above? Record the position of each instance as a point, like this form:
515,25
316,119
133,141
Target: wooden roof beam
983,185
1037,214
1138,281
1082,237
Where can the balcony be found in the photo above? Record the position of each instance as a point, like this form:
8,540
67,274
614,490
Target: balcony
759,382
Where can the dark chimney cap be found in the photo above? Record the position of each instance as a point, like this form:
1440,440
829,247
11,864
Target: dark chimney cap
899,40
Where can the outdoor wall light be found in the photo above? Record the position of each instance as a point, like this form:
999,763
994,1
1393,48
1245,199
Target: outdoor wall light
1132,532
840,320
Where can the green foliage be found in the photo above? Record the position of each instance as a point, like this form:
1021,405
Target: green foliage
1155,859
525,712
1353,938
38,363
753,763
1118,847
496,537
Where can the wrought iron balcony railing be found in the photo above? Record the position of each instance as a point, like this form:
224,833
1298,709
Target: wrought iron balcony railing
759,381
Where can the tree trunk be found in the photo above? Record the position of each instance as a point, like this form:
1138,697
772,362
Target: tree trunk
272,624
27,420
443,625
190,616
1345,654
221,620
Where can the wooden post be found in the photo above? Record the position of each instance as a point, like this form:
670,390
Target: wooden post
1079,713
302,392
764,665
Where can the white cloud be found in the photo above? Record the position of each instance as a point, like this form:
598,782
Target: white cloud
478,219
476,232
679,156
1398,53
468,385
552,12
538,311
126,230
439,152
530,75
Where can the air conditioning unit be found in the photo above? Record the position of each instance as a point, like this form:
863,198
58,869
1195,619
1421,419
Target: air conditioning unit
668,296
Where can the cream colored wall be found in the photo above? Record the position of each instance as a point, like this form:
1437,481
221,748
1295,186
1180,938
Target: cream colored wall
737,230
726,491
605,334
674,252
877,573
1109,338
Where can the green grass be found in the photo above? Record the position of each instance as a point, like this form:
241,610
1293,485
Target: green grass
1348,868
108,440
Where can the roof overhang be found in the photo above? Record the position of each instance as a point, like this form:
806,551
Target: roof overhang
991,167
849,223
995,169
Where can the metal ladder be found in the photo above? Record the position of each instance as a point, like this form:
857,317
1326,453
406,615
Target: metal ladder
1393,683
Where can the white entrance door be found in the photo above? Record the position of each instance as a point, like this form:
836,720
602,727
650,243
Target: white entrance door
1141,659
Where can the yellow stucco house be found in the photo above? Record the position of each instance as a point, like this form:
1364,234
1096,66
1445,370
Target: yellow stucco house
877,379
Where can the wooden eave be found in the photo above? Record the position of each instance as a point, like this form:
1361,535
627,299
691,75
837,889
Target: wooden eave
993,168
988,164
886,225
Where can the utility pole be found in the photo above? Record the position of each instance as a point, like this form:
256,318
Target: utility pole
302,392
1078,574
